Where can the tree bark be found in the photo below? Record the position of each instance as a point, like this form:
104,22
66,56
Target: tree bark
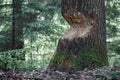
84,45
17,28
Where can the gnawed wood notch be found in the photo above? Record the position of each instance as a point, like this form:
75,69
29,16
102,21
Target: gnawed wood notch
84,44
81,25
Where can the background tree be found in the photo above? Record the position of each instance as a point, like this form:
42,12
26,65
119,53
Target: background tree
40,32
17,27
84,45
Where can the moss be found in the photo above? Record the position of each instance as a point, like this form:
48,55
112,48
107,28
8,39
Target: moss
90,59
59,57
85,58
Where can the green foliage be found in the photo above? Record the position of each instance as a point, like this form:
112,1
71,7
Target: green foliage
9,59
43,25
113,28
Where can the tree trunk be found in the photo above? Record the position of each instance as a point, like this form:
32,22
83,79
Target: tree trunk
84,45
17,29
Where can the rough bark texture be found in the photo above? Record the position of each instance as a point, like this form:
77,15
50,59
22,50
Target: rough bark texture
84,45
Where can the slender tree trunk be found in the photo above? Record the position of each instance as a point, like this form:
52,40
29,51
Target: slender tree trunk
84,45
17,29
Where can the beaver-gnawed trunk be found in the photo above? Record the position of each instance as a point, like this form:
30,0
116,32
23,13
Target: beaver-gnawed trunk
84,45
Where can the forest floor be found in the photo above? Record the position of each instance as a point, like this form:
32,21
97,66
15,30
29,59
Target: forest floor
105,73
